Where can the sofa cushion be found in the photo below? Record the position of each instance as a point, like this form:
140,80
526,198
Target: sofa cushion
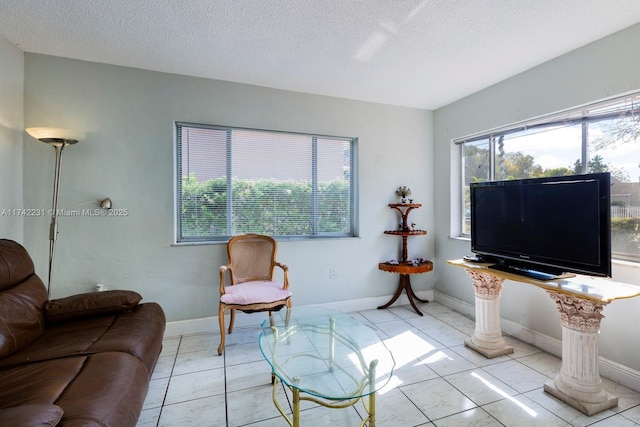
35,415
106,389
40,382
22,299
15,264
109,391
138,332
90,304
22,318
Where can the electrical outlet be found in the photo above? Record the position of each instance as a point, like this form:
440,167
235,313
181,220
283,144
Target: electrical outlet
332,273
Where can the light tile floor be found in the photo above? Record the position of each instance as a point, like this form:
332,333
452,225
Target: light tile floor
437,381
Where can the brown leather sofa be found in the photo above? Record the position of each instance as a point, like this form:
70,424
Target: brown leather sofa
84,360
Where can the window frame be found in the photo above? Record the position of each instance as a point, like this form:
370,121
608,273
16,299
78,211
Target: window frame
179,239
572,116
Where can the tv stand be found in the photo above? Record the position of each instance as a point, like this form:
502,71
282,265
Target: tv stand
579,300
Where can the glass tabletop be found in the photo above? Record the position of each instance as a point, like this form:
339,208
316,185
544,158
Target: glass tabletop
325,353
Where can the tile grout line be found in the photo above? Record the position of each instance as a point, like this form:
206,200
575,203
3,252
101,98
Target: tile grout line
166,391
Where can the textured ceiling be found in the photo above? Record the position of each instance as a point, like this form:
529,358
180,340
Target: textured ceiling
416,53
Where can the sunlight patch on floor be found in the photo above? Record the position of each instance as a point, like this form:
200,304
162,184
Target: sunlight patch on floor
502,393
407,348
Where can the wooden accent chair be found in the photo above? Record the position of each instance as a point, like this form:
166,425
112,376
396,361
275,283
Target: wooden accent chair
252,262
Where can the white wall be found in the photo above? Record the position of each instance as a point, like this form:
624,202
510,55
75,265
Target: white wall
11,139
128,155
603,69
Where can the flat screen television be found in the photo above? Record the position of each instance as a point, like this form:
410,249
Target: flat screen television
544,227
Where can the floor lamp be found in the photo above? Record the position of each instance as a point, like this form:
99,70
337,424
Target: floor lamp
58,138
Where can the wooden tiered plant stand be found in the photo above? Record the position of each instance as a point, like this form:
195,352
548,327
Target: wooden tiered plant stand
405,267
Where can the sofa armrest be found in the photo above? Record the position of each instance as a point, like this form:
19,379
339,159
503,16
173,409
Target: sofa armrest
31,415
89,305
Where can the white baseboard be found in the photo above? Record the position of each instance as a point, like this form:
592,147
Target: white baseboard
613,371
207,325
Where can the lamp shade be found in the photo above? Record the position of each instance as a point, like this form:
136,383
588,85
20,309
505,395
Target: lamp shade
55,135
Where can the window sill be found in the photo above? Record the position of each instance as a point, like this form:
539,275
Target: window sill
278,239
626,263
220,242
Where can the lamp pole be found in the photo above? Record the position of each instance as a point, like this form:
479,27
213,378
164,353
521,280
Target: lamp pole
58,138
53,227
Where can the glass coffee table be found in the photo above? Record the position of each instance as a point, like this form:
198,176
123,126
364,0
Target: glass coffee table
326,357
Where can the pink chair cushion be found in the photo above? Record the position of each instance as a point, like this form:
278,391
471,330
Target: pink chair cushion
254,292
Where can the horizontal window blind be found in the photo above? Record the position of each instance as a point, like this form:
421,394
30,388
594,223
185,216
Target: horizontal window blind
234,181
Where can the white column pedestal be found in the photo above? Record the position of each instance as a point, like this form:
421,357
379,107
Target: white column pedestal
579,384
487,337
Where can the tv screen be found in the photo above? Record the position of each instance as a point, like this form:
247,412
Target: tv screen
544,227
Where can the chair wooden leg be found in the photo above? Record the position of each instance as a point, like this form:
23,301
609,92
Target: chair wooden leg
233,318
288,315
221,311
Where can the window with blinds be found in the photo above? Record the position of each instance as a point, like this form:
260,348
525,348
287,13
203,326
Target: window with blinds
601,137
234,181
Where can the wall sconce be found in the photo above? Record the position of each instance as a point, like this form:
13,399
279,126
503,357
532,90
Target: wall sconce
58,138
105,203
